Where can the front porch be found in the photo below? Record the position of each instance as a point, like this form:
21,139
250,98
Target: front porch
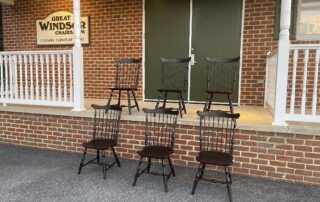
52,176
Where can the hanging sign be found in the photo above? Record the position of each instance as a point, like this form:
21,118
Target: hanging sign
57,29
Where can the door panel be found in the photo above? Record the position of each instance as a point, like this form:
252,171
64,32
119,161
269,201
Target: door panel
216,32
166,35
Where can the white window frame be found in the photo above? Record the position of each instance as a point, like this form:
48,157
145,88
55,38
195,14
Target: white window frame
303,36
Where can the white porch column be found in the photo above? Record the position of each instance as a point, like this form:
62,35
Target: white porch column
283,64
78,80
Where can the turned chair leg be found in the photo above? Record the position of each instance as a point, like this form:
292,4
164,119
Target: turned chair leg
82,160
207,106
165,99
129,102
110,97
135,100
230,103
228,182
115,156
158,101
199,176
138,171
180,105
164,176
98,156
119,98
149,164
183,104
171,167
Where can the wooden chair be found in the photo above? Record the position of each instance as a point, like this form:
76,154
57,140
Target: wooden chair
127,77
174,79
217,129
221,77
159,142
105,133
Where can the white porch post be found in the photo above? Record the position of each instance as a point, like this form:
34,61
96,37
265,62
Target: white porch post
78,80
283,63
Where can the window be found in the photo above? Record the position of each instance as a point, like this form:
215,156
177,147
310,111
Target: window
308,20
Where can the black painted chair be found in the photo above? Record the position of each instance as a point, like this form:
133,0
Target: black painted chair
159,142
105,133
217,129
174,79
127,77
218,82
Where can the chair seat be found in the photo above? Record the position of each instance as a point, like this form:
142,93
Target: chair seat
99,143
218,92
121,88
215,157
156,152
169,90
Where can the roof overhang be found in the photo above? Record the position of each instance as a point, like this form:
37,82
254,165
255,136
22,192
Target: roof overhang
9,2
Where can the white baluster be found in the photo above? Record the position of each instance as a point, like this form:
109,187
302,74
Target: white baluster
315,84
31,78
42,77
53,79
20,78
11,70
304,88
48,77
64,77
2,79
6,76
294,76
59,77
25,57
71,77
37,76
15,60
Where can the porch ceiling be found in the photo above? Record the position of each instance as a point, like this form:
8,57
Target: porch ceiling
9,2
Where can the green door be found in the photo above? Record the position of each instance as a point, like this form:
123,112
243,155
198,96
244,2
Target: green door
166,35
216,32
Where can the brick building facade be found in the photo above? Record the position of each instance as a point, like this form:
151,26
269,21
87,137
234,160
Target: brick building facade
116,31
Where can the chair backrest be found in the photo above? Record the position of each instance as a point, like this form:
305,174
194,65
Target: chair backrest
128,72
160,127
174,73
106,121
217,130
221,73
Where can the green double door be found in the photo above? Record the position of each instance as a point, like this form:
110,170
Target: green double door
184,28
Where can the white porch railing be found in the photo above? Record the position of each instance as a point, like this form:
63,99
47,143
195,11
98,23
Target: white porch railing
270,84
303,86
37,78
303,90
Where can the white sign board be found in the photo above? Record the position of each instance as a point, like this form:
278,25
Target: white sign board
57,29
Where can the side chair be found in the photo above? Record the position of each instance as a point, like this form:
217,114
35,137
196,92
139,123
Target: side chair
159,142
221,77
174,79
104,136
126,79
217,129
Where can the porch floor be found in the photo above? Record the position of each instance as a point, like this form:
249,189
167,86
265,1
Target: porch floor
28,174
252,118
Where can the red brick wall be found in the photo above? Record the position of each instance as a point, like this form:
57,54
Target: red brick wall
258,39
290,157
115,31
